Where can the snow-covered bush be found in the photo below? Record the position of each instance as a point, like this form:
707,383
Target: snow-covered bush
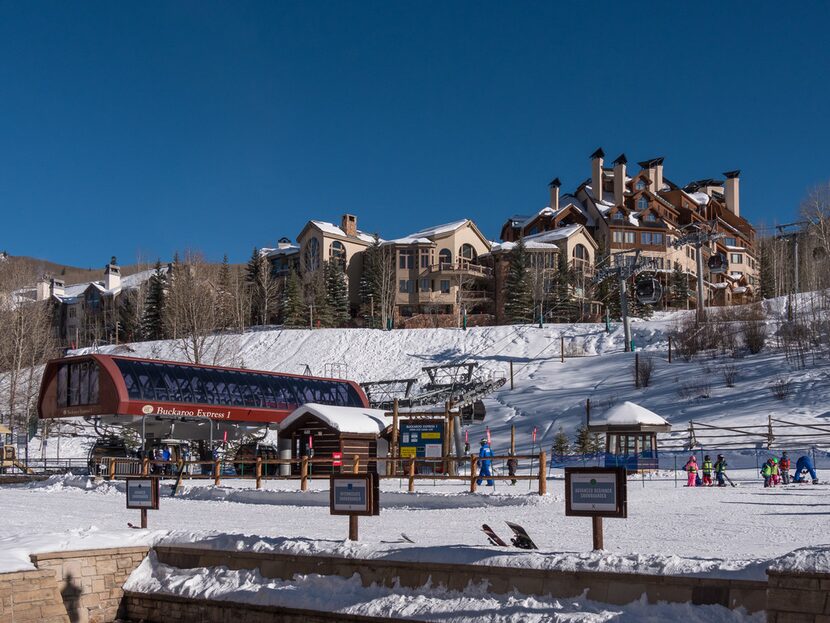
780,387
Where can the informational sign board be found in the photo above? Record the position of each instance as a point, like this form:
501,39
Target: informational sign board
143,493
337,459
354,494
595,492
421,439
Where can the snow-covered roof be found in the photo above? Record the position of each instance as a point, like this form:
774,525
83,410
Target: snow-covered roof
545,240
334,230
71,293
355,420
438,229
698,197
604,204
629,414
409,240
286,250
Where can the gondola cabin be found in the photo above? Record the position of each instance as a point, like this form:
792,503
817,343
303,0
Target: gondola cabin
630,436
331,432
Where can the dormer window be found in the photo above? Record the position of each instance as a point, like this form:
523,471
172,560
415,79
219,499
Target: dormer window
617,216
651,217
640,185
642,203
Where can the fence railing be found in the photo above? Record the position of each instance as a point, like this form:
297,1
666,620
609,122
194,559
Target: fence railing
395,468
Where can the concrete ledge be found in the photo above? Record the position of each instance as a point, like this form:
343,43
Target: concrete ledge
166,608
614,588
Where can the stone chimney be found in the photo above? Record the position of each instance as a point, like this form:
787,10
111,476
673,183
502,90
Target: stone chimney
655,173
732,192
596,173
57,287
619,179
42,288
112,275
554,193
349,225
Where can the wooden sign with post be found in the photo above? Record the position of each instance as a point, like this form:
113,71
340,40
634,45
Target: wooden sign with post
143,494
596,492
354,495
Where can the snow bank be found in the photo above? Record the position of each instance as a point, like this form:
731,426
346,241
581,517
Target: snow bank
428,603
806,560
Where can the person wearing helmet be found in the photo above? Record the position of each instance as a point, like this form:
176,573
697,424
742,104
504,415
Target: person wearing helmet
776,472
707,471
766,472
784,468
691,470
485,463
720,470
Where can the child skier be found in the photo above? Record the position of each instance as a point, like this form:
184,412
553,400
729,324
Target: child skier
691,470
512,464
707,471
720,470
776,473
784,467
766,472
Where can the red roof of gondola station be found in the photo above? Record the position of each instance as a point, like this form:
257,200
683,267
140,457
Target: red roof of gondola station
96,385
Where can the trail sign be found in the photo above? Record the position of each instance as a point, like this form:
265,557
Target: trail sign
421,439
143,494
596,492
354,495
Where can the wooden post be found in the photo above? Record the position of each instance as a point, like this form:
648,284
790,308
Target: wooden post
473,470
353,527
445,446
587,412
259,472
562,348
511,374
112,469
145,467
513,439
304,474
637,370
597,529
144,518
412,476
543,482
217,468
670,349
180,466
356,464
451,465
394,449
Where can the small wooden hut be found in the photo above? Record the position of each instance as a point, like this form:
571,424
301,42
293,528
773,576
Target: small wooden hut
324,431
630,436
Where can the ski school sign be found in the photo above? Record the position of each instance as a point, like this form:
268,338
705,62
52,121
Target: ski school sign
596,492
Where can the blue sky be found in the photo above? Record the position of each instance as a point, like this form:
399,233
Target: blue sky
136,129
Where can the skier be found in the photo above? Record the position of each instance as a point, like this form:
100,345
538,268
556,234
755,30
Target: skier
485,455
805,464
512,464
766,472
776,473
707,471
784,467
691,470
720,470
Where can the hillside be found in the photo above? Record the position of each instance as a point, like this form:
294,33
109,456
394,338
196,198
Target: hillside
548,394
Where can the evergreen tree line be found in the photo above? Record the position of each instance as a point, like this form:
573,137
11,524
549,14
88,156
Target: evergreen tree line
585,444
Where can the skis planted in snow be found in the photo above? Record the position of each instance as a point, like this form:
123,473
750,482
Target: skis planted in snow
521,538
495,539
729,480
404,539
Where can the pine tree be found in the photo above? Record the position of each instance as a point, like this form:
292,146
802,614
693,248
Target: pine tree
564,305
635,307
262,287
129,324
370,283
318,297
518,304
767,273
561,446
293,309
584,443
152,322
224,299
337,294
680,291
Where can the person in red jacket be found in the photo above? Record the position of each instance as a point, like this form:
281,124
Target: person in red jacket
784,468
691,470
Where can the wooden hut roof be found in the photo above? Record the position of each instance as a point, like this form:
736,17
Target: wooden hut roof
354,420
629,416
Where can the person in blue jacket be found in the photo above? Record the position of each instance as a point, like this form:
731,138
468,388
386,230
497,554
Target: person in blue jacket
805,464
485,463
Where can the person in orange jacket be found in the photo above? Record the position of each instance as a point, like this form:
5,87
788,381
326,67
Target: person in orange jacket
784,468
691,470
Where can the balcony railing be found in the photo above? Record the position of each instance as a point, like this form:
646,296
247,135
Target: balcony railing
459,266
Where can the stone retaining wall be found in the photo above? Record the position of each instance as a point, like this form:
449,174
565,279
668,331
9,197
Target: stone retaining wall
613,588
797,597
167,608
90,581
31,597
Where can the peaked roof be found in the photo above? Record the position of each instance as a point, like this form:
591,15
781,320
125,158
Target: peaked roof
629,414
356,420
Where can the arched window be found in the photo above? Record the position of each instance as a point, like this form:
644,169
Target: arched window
337,254
640,185
312,255
445,258
642,203
466,253
580,252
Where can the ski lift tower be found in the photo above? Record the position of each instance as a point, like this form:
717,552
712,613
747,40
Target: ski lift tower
623,270
785,233
698,234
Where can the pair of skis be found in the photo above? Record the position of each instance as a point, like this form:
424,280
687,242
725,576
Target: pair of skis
520,538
